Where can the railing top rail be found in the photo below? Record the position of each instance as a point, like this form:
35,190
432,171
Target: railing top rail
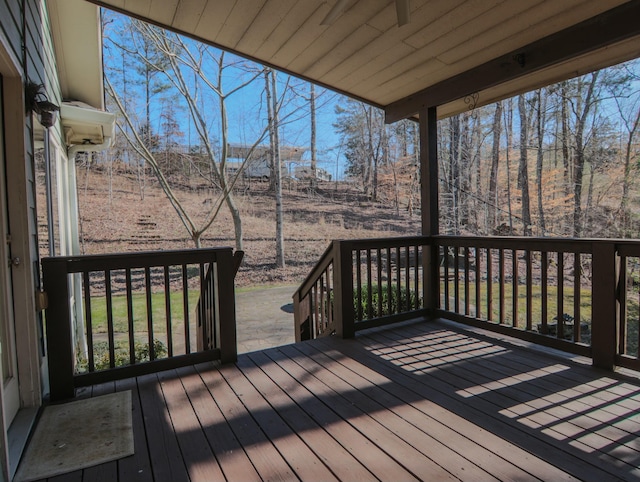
321,265
569,245
400,241
140,259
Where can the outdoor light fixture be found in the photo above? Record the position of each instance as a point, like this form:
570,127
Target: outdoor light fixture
38,103
48,113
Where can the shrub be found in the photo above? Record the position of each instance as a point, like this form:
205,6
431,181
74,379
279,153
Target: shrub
398,304
121,352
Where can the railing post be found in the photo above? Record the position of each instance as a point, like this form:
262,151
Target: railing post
430,269
605,311
226,307
60,350
343,289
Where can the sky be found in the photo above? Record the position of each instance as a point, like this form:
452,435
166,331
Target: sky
246,107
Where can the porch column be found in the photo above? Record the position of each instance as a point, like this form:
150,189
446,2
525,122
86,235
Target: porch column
429,202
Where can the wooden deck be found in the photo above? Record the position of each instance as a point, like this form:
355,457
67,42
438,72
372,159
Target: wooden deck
418,401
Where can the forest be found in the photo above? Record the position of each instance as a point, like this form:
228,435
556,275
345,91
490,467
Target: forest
559,161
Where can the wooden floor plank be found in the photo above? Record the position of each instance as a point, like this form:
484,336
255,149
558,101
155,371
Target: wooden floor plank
562,454
304,390
429,401
580,421
137,467
165,456
368,417
200,461
301,459
267,461
232,457
423,433
341,462
445,428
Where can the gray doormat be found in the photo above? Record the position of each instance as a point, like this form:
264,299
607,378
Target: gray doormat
79,434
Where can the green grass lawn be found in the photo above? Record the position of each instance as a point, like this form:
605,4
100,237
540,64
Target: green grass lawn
139,305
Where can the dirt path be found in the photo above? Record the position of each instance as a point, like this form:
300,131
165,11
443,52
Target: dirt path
265,318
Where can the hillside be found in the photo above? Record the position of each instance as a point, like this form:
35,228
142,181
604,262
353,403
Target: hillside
115,217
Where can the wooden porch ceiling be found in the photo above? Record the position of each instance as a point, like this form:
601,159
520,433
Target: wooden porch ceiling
365,54
417,401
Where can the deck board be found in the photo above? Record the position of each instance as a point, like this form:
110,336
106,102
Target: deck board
418,401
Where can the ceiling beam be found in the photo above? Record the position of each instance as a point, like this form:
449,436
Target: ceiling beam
610,27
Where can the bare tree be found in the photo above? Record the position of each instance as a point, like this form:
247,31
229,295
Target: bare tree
272,108
182,57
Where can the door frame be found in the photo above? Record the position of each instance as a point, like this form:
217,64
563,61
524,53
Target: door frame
21,207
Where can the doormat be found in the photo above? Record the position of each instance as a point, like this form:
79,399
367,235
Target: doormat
79,434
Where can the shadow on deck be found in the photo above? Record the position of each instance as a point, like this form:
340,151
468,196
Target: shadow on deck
419,400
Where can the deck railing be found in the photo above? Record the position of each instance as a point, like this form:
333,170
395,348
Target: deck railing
359,284
581,296
143,312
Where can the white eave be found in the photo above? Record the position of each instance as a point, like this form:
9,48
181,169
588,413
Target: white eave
77,38
85,125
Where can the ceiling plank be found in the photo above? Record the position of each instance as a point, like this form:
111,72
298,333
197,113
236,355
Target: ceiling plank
460,56
391,39
268,20
188,15
608,28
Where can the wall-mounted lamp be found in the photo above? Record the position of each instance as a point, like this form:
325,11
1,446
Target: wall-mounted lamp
37,102
48,113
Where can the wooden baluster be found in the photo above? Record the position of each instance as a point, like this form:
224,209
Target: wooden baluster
529,291
489,285
185,310
369,286
544,291
330,295
379,272
88,321
515,281
109,304
398,281
167,309
622,307
130,323
560,301
408,277
576,297
147,275
359,313
389,286
467,304
501,285
416,277
446,277
456,281
323,308
478,300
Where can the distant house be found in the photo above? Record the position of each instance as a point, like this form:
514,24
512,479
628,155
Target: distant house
255,161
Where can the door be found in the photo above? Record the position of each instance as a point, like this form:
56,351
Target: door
10,386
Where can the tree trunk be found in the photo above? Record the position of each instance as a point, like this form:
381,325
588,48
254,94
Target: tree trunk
509,132
272,101
523,171
580,156
541,121
312,111
493,175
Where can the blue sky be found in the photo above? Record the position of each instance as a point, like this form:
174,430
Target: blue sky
246,108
